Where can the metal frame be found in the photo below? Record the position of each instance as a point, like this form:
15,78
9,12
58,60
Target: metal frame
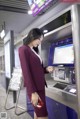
16,104
16,85
76,40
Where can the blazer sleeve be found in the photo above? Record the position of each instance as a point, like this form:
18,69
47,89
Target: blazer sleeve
24,60
44,68
45,71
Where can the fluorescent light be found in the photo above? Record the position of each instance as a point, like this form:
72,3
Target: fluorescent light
2,34
29,12
45,31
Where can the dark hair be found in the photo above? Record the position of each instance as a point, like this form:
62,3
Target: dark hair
34,34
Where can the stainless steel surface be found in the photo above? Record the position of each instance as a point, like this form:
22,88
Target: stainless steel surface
61,96
76,40
58,11
60,32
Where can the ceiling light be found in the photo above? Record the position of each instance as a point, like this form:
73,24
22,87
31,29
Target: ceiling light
2,34
29,12
45,31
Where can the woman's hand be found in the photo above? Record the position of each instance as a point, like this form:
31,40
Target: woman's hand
50,69
34,99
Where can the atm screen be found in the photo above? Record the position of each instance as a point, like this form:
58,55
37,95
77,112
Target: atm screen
63,55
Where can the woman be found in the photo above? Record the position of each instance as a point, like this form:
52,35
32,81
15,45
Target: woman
33,72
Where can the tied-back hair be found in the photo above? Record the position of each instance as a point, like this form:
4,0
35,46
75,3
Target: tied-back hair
34,34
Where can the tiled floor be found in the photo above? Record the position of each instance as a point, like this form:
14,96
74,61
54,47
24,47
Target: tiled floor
22,102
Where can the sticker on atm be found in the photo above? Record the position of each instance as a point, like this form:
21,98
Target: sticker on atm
72,90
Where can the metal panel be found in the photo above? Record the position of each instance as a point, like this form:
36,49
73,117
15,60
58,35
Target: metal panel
76,41
62,97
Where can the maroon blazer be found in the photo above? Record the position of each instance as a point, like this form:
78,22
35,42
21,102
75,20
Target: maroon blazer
32,69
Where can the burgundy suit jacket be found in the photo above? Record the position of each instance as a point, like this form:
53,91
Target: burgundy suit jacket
32,69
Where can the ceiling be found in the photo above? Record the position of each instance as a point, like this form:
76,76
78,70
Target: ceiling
15,21
14,5
14,14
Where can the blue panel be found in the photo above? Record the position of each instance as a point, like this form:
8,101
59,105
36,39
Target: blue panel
30,108
71,113
50,107
57,110
52,48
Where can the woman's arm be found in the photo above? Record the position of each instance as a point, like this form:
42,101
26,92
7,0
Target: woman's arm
48,69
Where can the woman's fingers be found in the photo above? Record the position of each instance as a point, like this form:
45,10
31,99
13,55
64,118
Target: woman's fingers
50,69
34,99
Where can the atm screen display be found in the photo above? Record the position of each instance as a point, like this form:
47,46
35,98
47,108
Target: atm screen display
63,55
37,6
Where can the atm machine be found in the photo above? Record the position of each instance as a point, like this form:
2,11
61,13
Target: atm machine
61,56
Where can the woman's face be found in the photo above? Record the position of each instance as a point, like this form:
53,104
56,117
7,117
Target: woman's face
37,42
